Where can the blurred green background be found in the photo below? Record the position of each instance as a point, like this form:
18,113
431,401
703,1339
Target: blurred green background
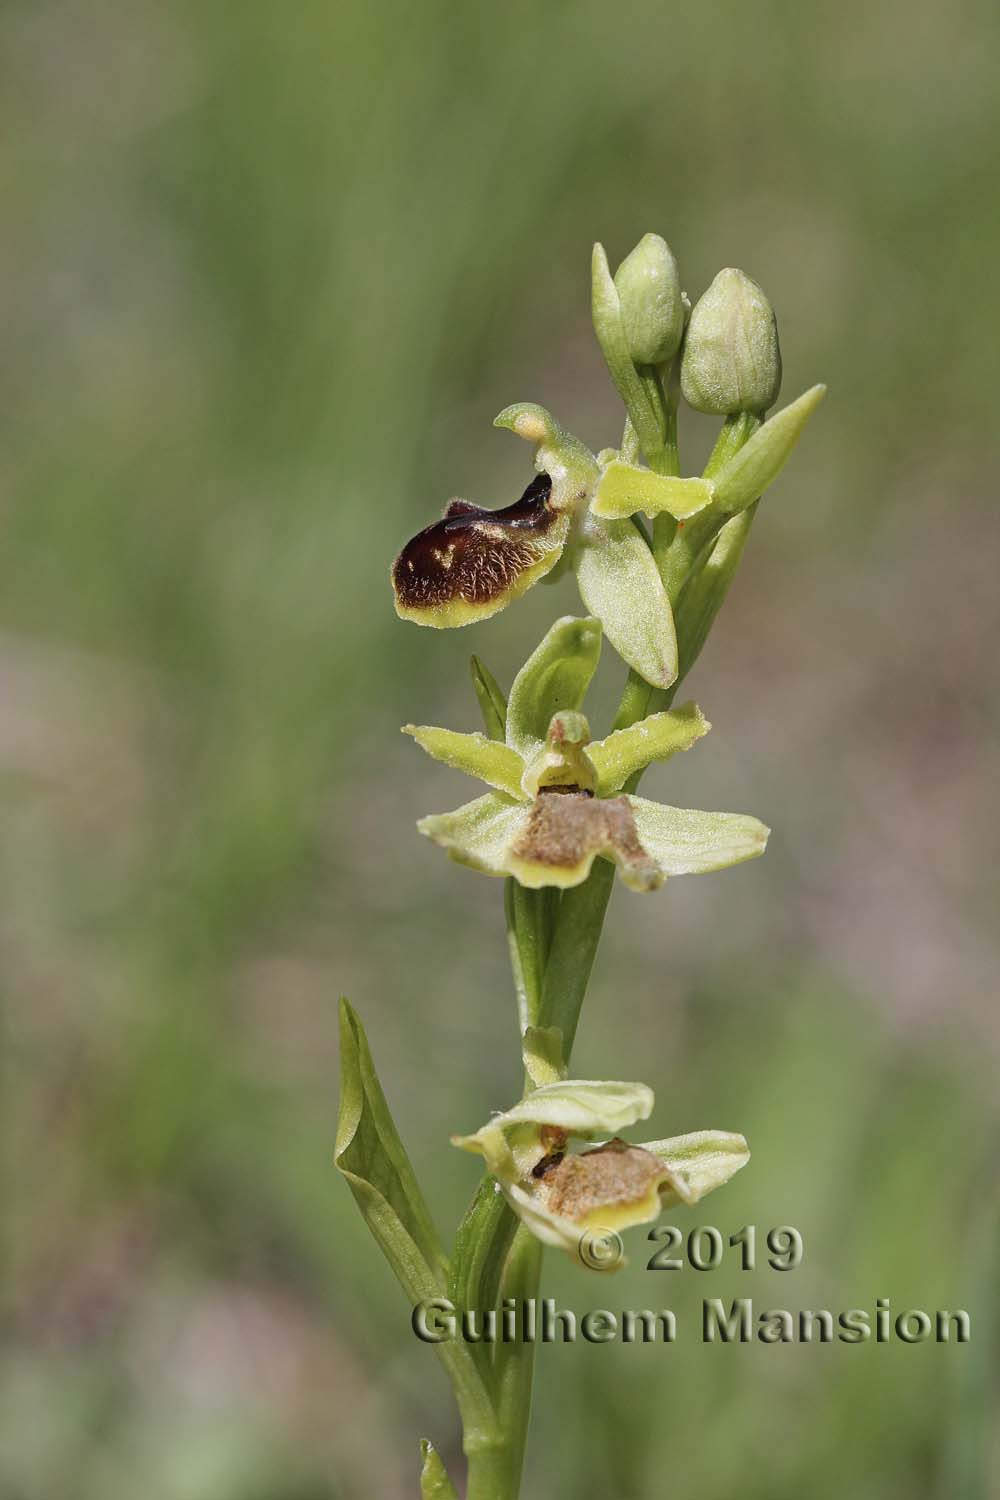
267,273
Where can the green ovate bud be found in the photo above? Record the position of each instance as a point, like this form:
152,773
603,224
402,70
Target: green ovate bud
652,311
731,360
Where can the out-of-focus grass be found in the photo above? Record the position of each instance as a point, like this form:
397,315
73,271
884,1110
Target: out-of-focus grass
266,277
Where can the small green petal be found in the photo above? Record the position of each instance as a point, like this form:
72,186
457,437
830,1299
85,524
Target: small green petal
656,738
555,677
685,842
620,584
699,1162
625,489
759,462
490,760
480,833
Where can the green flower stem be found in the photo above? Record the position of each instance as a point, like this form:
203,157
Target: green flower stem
553,940
529,933
692,539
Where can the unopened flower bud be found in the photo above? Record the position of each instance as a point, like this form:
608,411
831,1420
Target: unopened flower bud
652,310
731,361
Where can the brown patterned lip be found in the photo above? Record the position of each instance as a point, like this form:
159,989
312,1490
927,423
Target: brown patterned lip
475,555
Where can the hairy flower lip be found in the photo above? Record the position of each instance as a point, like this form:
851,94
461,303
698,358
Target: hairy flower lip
474,561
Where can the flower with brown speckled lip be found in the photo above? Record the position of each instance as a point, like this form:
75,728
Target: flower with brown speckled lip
561,1195
557,801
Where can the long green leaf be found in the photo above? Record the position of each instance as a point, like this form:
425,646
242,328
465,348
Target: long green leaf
371,1157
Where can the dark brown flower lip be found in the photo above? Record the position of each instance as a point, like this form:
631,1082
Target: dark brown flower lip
469,563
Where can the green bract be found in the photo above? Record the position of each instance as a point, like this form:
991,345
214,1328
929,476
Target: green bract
557,802
560,1196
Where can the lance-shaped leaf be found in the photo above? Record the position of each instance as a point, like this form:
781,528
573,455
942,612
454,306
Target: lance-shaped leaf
657,737
624,489
490,760
555,677
619,583
683,841
371,1157
492,703
759,462
434,1481
699,1162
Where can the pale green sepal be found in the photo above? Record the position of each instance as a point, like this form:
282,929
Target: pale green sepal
555,677
624,489
490,760
685,842
606,312
760,461
478,833
698,1162
583,1107
489,694
569,463
619,583
371,1156
434,1481
657,737
542,1051
563,760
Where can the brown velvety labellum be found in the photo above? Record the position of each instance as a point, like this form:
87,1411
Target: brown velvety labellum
473,561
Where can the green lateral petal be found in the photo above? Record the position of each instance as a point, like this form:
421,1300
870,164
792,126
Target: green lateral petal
478,834
625,489
686,842
578,1106
492,703
620,584
490,760
656,738
434,1481
556,676
699,1162
759,462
